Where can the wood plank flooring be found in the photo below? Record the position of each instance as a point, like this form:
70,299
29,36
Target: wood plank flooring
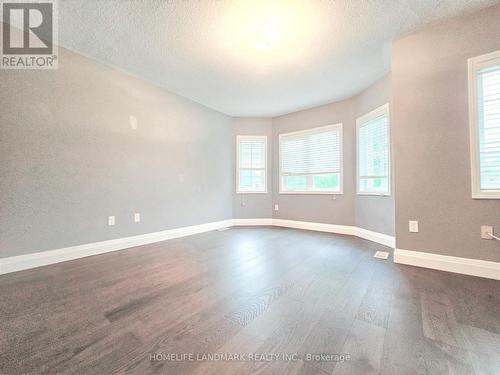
294,294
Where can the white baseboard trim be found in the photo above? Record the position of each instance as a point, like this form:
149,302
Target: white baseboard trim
243,222
474,267
43,258
466,266
23,262
381,238
320,227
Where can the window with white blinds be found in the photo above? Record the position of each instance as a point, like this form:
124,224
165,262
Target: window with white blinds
373,147
311,161
251,164
484,94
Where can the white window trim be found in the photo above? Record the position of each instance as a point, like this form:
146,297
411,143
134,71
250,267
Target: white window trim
258,138
341,170
384,109
474,65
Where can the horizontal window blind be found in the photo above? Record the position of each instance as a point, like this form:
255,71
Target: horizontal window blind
310,161
373,152
488,95
311,152
251,164
252,153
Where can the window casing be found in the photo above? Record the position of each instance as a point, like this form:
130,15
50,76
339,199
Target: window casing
374,152
251,164
311,161
484,122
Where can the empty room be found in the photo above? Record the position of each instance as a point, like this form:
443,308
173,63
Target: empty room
250,187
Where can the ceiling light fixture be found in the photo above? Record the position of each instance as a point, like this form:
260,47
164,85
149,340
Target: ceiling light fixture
268,37
268,31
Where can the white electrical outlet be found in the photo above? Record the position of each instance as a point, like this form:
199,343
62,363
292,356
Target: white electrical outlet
111,220
133,122
276,207
486,230
137,218
413,226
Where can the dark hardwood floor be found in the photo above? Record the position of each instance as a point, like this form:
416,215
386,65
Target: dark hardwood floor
260,291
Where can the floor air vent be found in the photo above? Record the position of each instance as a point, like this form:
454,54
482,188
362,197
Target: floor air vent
381,255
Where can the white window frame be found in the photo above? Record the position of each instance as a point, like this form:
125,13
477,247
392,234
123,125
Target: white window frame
360,121
476,64
341,161
250,138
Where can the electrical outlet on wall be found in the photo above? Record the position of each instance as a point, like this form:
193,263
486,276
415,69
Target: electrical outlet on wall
486,230
111,220
413,226
137,217
133,122
276,207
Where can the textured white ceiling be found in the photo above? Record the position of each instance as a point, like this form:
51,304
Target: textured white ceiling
188,47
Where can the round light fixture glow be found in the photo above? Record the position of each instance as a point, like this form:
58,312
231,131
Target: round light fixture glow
268,36
266,30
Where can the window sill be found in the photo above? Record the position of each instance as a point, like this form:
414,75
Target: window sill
310,193
251,192
375,194
495,195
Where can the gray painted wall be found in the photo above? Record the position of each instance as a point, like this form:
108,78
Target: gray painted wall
252,206
431,137
330,209
70,157
375,213
372,213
